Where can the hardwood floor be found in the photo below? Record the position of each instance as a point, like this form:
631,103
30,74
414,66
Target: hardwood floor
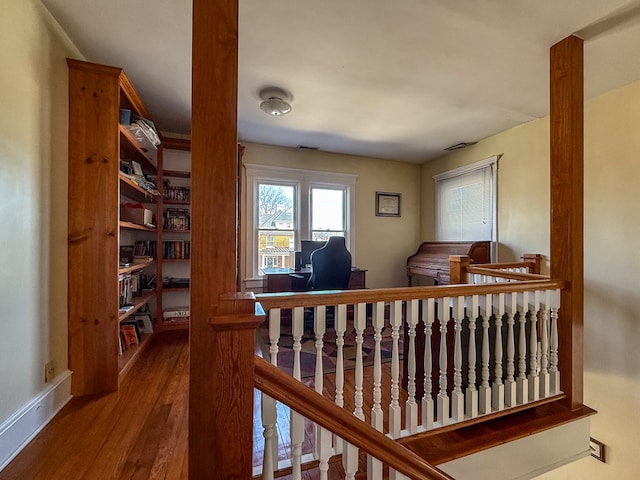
139,432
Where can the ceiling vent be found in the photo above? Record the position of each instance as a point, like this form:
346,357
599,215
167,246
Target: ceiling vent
460,145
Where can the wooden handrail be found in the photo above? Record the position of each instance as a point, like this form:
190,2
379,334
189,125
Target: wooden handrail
334,297
491,272
327,414
503,265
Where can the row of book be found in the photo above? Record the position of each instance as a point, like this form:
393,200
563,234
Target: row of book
145,248
177,194
176,250
177,219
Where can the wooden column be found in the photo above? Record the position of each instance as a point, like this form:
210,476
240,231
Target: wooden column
567,165
217,356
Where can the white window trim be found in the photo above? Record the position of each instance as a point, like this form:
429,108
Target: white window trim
493,163
303,180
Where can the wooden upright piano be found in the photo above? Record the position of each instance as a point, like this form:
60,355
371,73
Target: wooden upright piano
432,258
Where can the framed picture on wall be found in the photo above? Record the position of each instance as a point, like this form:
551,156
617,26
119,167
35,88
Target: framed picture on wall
387,204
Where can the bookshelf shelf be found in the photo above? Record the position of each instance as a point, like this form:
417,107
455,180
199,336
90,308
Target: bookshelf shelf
176,173
138,303
135,267
130,189
148,163
131,354
176,231
135,226
172,260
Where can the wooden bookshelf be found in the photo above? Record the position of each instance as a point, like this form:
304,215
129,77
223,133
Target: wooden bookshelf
97,187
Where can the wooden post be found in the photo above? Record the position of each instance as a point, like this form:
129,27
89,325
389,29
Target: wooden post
567,166
218,356
233,328
535,259
458,269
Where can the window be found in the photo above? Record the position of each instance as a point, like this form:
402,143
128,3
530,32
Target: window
466,202
275,224
286,205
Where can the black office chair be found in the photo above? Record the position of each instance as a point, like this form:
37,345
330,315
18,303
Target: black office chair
331,266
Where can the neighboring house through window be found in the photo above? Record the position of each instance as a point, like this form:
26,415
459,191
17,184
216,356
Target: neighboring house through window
466,203
286,205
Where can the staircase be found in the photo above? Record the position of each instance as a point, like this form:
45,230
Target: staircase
486,355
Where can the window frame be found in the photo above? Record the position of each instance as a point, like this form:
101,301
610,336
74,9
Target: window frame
303,181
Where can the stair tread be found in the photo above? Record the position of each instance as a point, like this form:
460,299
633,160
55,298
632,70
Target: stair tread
440,446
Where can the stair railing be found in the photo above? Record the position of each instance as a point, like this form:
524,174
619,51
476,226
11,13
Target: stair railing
354,433
465,351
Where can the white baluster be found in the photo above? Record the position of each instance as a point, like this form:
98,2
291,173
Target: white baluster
511,308
444,315
485,304
322,437
297,421
428,317
274,334
270,454
553,356
522,395
359,323
395,413
534,381
319,328
274,338
544,356
457,397
374,466
411,408
340,325
498,386
472,393
350,461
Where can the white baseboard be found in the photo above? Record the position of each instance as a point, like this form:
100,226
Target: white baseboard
19,429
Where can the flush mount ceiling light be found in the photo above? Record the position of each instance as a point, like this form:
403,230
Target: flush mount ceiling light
275,101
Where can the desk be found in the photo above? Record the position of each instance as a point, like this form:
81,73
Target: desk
288,280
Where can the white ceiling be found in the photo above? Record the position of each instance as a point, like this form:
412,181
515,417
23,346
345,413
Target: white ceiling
389,79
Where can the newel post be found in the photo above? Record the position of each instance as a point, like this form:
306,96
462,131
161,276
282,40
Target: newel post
458,265
535,259
233,325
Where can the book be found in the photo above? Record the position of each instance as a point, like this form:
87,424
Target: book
129,335
135,326
145,323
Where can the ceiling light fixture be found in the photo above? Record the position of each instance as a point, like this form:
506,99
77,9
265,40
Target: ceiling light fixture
275,101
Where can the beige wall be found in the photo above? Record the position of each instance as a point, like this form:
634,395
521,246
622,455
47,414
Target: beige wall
33,201
523,187
611,233
382,244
